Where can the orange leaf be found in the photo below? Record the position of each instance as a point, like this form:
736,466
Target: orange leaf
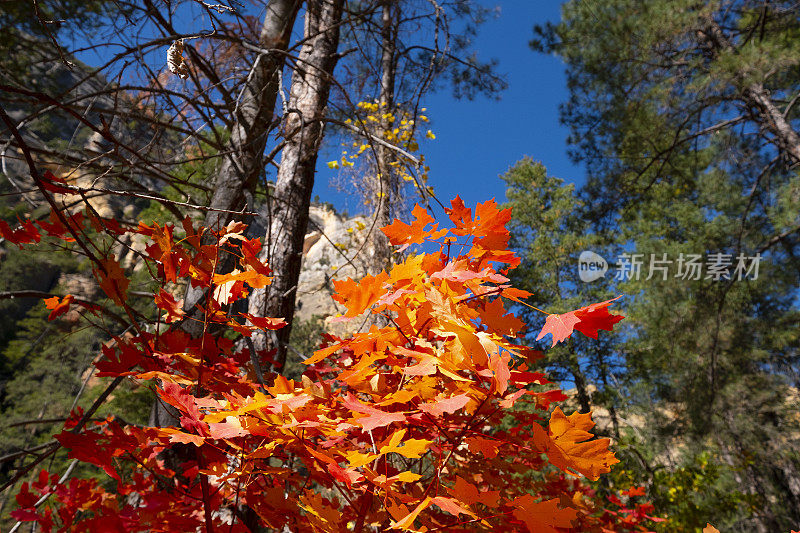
468,493
711,529
451,506
407,522
400,233
112,280
568,447
446,405
485,447
357,296
167,302
58,306
542,517
251,277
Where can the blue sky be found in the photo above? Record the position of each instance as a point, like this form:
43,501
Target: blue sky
478,140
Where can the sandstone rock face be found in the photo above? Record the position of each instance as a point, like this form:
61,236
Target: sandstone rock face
333,250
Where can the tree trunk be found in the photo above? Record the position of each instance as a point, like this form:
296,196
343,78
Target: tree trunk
238,174
304,129
386,185
237,177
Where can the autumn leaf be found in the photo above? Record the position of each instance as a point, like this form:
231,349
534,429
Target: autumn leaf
375,417
407,522
51,183
468,493
404,235
411,448
542,517
634,491
357,296
451,506
167,302
710,529
588,320
568,447
112,280
265,322
58,305
25,234
482,446
596,316
255,279
444,405
559,326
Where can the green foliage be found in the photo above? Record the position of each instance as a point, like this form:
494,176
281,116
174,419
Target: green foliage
678,166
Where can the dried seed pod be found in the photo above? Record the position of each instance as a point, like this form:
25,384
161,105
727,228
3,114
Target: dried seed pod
175,61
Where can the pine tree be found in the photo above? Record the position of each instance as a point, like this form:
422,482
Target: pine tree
684,115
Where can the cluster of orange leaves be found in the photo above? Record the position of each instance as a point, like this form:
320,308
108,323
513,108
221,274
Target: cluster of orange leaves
435,421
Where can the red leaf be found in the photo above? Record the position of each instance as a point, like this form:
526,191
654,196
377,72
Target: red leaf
587,320
560,326
376,418
634,491
26,233
596,316
58,305
50,182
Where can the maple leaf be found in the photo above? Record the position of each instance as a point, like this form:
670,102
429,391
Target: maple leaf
51,183
167,302
542,517
444,405
375,417
559,326
404,235
634,491
411,448
451,506
588,320
88,447
58,305
257,280
498,363
468,493
165,242
568,447
26,233
357,296
264,322
407,522
482,446
494,316
711,529
112,280
596,316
